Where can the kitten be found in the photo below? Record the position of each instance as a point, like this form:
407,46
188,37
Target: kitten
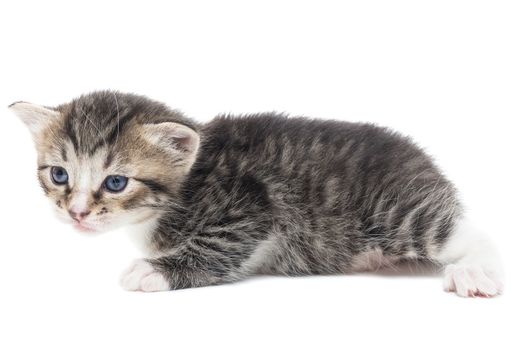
263,193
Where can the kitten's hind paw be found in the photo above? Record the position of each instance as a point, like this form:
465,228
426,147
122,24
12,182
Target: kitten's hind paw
141,276
471,281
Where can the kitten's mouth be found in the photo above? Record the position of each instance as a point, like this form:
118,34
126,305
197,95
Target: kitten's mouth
83,227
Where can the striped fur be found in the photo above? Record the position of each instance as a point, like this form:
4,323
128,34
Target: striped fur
263,193
296,196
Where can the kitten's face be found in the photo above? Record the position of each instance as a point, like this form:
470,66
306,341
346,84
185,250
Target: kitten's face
107,160
104,190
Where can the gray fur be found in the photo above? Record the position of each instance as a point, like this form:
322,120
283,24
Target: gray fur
310,195
269,193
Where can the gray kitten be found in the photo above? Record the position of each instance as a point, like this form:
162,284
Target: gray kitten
255,194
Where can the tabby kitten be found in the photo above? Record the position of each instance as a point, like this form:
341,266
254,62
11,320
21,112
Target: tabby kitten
254,194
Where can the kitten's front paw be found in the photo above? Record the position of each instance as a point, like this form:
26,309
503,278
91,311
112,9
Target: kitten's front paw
141,276
471,281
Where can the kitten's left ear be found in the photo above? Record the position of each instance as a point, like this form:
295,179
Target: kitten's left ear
36,117
173,137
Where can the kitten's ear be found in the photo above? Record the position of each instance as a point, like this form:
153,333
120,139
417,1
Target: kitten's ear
173,137
36,117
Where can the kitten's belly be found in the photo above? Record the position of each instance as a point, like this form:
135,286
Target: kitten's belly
372,260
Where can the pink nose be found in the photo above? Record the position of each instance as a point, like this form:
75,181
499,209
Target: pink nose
77,216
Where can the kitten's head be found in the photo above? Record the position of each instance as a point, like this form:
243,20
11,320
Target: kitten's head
107,159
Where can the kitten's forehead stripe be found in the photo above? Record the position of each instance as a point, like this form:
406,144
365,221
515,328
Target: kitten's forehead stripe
63,152
120,123
68,129
109,159
101,118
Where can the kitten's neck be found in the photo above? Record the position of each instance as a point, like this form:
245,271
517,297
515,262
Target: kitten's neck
140,234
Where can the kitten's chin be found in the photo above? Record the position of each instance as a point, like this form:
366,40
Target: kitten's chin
85,229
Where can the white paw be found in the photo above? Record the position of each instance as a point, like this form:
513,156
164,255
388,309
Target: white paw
141,276
471,281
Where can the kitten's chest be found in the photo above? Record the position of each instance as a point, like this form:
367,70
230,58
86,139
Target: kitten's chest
141,235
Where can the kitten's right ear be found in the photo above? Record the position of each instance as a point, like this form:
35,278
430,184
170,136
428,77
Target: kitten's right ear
36,117
173,137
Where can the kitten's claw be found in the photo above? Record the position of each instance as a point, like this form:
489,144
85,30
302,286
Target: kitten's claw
471,281
141,276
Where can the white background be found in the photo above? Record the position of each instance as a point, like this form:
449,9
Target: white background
449,73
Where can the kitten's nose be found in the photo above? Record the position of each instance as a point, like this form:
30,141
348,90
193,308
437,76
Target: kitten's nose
77,216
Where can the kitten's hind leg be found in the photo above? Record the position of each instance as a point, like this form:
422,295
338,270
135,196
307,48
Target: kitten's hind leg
472,264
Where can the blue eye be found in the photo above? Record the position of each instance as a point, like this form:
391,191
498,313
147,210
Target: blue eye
59,175
115,183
